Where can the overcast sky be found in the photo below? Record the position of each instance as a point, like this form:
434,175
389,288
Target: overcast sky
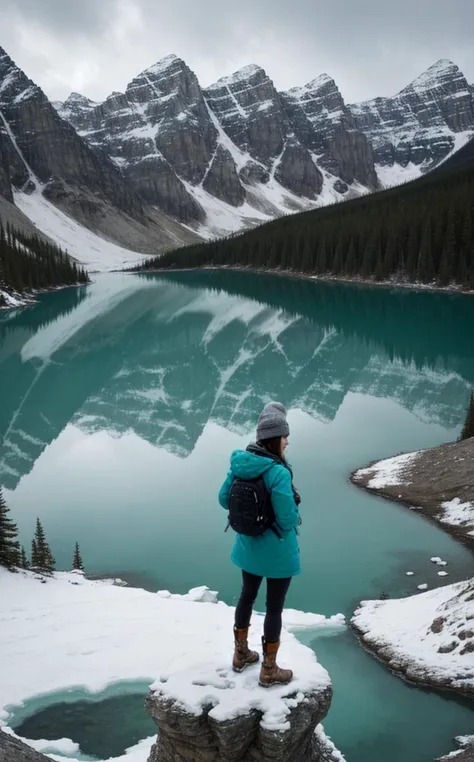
370,47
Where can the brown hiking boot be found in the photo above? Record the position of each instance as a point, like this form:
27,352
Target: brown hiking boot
243,656
270,673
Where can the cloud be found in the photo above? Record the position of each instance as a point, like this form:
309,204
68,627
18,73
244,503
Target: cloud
370,47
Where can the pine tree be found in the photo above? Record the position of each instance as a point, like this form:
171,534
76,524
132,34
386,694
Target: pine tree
45,561
77,559
24,563
468,430
34,554
9,545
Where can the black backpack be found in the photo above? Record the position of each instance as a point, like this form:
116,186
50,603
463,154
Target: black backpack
250,508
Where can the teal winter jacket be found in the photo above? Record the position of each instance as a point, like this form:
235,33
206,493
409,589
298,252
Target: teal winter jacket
267,555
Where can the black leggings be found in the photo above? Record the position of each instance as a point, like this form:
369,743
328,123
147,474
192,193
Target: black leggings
276,594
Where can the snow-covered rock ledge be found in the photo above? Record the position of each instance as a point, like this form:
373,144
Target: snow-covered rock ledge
77,632
240,724
427,639
439,483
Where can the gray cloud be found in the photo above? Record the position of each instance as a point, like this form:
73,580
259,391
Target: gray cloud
370,47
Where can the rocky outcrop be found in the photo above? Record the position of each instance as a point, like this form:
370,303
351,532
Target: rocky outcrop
297,171
222,180
14,750
420,124
184,736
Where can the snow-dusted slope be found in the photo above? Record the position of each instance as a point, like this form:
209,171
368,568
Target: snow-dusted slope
93,251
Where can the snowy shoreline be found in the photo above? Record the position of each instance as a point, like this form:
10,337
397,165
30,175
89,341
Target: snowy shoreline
427,639
97,634
27,299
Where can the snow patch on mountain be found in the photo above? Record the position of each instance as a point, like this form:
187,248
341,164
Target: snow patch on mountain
88,248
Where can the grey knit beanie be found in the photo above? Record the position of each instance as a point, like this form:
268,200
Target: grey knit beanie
272,422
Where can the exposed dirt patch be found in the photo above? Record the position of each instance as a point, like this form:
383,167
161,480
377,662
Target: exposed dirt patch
434,477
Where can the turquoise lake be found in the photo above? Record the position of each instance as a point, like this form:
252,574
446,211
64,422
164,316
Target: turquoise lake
121,404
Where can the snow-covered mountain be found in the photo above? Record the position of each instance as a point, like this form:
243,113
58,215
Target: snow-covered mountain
167,161
420,126
63,186
239,152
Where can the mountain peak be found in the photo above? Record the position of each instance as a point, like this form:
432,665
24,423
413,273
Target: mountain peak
437,72
311,88
77,98
163,65
242,75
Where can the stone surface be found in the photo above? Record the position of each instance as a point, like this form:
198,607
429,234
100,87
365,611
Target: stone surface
14,750
222,180
183,737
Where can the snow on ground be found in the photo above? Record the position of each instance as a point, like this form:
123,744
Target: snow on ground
429,637
463,742
387,473
97,254
457,514
74,632
12,300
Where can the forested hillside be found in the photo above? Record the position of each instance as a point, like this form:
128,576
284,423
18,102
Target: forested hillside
28,263
420,232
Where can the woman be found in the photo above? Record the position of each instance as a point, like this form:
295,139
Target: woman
275,554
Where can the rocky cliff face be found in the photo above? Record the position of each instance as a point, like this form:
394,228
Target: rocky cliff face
324,124
240,152
423,123
42,153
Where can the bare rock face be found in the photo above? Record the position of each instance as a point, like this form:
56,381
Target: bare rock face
324,124
297,171
184,736
222,180
250,111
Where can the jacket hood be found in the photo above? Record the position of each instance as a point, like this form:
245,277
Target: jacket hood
248,465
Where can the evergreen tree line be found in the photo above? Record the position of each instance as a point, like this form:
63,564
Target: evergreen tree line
420,232
29,263
13,555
